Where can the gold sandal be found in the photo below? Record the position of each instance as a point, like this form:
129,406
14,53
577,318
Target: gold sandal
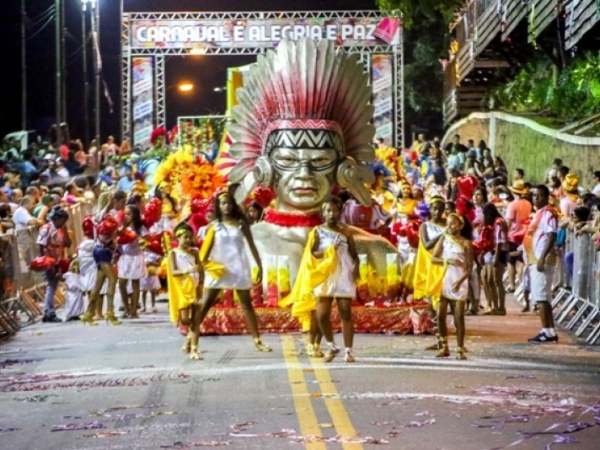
331,354
194,355
260,347
89,319
111,318
460,353
444,351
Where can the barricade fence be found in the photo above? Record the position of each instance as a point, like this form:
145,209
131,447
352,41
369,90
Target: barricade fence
576,303
21,290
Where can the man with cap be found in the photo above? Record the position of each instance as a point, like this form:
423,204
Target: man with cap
517,212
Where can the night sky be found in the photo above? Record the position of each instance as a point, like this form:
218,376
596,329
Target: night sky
207,72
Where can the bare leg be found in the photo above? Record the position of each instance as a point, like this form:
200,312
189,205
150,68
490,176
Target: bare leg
442,312
244,296
185,319
324,317
210,298
500,292
88,317
546,314
124,297
143,295
511,276
459,322
492,288
135,298
153,298
194,333
345,312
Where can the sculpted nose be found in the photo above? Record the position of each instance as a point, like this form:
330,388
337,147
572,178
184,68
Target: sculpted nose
304,172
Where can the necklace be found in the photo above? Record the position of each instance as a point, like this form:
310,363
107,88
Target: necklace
287,219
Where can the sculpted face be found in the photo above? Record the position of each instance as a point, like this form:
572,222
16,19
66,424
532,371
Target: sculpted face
303,177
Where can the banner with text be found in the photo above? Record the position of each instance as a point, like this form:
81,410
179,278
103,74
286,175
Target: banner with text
360,31
142,100
383,100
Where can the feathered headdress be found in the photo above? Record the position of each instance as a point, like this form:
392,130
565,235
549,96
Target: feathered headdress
303,95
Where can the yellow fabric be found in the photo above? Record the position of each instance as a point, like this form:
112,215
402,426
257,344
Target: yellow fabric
422,264
435,280
406,206
311,273
182,292
207,244
214,269
429,278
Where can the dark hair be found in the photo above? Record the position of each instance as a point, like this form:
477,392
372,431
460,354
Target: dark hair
520,172
467,229
482,145
557,162
597,174
158,192
183,226
483,193
332,201
58,213
554,182
490,214
135,200
236,211
4,210
119,195
450,205
544,189
136,218
582,213
563,170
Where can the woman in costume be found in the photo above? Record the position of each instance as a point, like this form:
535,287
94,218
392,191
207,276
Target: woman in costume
169,211
328,271
185,278
494,261
429,235
340,283
131,265
104,257
454,251
225,244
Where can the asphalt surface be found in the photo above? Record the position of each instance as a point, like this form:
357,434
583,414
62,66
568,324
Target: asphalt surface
70,386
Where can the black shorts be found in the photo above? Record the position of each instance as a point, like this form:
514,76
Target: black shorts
513,247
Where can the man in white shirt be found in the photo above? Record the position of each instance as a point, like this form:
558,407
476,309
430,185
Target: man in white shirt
538,244
23,219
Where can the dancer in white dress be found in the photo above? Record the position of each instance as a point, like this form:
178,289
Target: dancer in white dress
455,251
74,302
340,283
131,265
225,244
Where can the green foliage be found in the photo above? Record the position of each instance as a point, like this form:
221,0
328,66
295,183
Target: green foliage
573,94
413,10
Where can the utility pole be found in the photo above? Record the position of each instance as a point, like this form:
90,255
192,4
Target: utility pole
58,60
63,66
97,68
23,67
86,87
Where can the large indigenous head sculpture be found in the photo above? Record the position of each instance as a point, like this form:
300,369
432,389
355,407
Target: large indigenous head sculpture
302,126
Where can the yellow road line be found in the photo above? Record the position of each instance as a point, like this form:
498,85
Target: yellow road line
335,406
309,425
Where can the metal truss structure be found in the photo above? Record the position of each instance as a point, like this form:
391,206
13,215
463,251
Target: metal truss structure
364,55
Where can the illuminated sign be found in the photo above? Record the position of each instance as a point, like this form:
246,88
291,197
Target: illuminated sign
252,33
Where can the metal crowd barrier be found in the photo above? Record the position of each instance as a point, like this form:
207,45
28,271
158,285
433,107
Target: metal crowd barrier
576,304
21,290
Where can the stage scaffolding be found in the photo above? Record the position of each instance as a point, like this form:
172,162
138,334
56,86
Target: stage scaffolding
129,51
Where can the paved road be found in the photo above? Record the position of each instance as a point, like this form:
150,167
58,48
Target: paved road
68,386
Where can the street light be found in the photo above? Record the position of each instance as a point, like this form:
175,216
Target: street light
220,89
97,65
185,87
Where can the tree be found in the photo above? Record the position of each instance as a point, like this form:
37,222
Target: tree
426,43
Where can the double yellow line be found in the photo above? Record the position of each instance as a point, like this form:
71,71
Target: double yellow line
309,425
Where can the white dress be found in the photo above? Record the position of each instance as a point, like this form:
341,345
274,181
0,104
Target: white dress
453,250
340,283
88,269
131,263
229,249
150,282
74,301
186,261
